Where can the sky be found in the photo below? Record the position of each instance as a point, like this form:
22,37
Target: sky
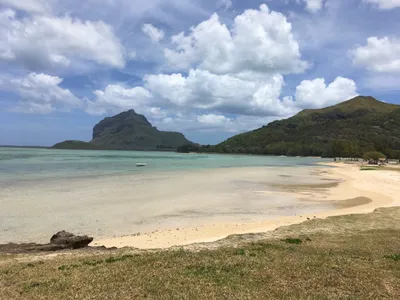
208,69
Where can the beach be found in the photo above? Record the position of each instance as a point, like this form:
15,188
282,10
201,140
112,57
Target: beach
346,188
163,209
313,231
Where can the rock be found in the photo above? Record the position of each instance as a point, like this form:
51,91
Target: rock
60,241
70,241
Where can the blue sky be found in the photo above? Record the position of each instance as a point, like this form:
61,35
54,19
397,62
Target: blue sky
209,69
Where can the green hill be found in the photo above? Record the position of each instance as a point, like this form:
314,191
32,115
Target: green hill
348,129
131,131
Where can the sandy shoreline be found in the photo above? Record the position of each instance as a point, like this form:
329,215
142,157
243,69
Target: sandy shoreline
353,191
165,209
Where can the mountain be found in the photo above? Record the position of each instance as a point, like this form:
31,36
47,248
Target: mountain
128,131
348,129
131,131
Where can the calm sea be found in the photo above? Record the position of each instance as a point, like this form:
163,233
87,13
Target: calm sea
22,164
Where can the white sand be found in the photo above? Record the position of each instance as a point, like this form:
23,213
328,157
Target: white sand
181,208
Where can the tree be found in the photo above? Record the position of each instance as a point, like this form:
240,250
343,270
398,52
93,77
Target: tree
374,155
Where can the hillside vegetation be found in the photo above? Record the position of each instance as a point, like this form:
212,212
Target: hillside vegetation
348,129
128,131
131,131
77,145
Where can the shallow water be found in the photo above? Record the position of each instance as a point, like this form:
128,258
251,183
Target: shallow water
103,193
20,164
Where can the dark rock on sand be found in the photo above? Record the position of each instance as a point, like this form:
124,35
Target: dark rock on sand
60,241
70,241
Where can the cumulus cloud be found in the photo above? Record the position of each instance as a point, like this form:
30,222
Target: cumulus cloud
190,122
220,77
202,101
32,6
214,121
224,4
116,98
385,4
259,41
201,89
40,93
153,32
41,41
379,55
313,6
317,94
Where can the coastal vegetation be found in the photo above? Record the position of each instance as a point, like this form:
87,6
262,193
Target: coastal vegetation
77,145
348,129
344,257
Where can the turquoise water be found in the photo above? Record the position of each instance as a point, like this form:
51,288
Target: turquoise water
21,164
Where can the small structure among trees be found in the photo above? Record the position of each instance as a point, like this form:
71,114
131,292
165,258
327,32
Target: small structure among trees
374,157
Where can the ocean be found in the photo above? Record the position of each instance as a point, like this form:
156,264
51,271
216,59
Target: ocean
24,164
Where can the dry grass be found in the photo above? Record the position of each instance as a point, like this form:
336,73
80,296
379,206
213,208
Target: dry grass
361,263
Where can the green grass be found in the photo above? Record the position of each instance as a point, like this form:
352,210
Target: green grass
395,257
349,257
369,168
293,241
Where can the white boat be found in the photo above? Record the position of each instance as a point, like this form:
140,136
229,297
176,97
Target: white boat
141,164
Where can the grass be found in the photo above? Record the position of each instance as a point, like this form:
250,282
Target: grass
395,257
362,263
363,168
293,241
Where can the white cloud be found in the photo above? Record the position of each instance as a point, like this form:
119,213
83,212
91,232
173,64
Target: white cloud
224,4
379,55
41,41
170,101
40,93
132,55
33,6
201,89
213,120
313,6
116,98
231,72
316,94
153,32
211,123
259,41
385,4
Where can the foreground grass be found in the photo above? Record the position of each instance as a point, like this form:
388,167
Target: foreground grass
345,265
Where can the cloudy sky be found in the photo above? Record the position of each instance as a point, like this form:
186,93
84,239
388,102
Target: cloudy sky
207,68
